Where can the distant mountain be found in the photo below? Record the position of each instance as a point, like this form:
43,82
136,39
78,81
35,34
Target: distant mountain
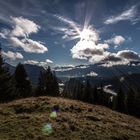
33,71
96,72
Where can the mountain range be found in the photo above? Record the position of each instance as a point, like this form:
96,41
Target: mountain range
96,73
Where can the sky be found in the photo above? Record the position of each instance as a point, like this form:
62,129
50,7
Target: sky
70,32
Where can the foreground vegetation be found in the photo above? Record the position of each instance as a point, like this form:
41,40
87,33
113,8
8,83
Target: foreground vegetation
23,119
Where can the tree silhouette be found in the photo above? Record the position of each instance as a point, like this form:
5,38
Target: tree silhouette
55,85
88,94
120,101
95,95
7,90
130,101
23,83
48,84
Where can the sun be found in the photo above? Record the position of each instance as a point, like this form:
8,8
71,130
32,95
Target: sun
85,34
75,31
88,34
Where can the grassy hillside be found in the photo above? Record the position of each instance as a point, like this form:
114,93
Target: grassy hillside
25,119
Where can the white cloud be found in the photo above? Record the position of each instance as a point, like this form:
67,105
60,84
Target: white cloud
82,66
39,63
130,15
12,55
49,61
114,63
64,69
16,42
88,49
116,40
23,27
33,46
123,57
28,45
2,35
92,73
32,62
19,35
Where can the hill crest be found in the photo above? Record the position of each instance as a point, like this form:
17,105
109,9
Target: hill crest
24,119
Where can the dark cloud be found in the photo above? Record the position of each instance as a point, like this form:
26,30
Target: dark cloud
128,54
112,58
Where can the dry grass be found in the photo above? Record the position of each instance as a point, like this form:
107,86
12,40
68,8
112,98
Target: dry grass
23,120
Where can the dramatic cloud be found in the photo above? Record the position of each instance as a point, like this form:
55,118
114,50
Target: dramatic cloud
112,57
89,47
89,50
130,15
28,45
12,55
128,54
123,57
23,27
116,40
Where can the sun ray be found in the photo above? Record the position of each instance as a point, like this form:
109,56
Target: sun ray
76,31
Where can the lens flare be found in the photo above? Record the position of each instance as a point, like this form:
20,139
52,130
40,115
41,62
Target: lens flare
53,114
47,129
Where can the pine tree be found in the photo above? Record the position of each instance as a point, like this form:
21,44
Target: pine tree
55,85
137,103
130,101
101,95
41,89
49,81
95,94
48,84
120,101
23,83
7,90
79,91
88,95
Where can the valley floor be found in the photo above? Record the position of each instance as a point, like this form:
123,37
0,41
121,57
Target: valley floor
24,119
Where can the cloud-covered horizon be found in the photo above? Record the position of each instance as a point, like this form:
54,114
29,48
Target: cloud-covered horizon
39,63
